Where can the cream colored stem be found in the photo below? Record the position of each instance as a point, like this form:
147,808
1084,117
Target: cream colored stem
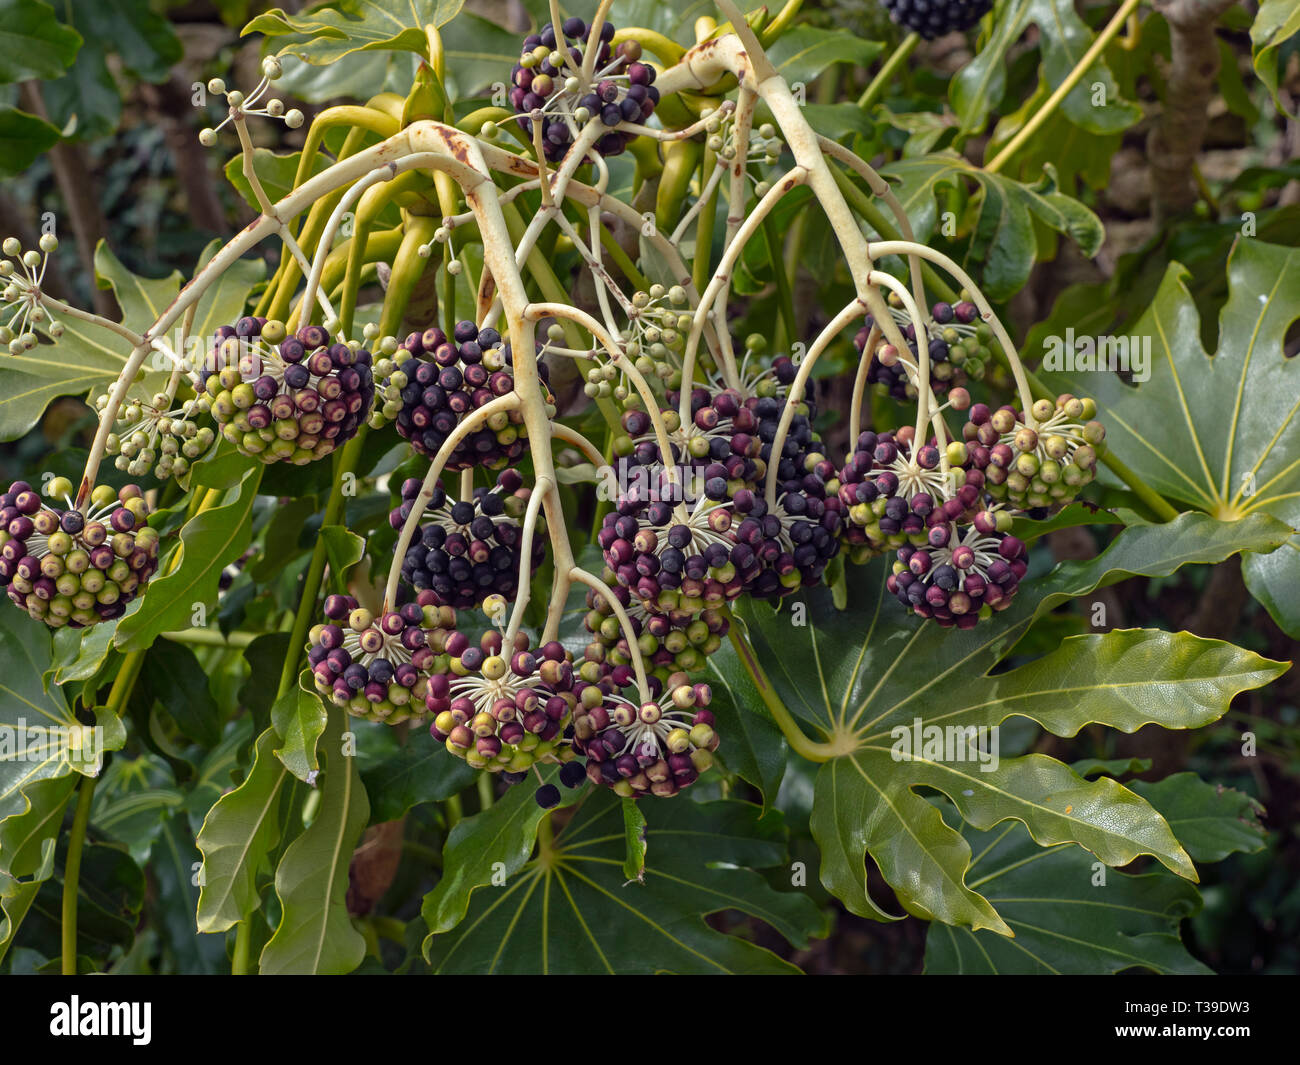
900,247
860,385
467,425
856,309
634,651
525,592
571,436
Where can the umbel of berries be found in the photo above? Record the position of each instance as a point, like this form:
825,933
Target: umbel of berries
377,667
655,747
503,710
670,642
890,495
285,398
933,18
547,86
964,572
787,546
72,566
431,381
674,557
957,344
465,551
1042,461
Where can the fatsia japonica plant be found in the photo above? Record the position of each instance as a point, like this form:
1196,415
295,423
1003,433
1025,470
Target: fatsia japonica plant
596,515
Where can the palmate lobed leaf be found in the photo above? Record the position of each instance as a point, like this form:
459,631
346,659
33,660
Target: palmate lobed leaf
1065,920
330,31
857,675
90,357
571,908
1219,432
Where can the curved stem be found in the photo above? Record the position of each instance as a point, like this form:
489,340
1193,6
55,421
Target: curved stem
854,310
529,528
860,385
812,750
72,876
876,89
571,436
1063,90
625,622
302,621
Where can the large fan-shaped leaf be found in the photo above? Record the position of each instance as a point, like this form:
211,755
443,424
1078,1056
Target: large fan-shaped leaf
860,676
571,908
33,43
1219,432
1065,916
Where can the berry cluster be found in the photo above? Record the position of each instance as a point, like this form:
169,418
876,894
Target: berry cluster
890,496
655,747
379,668
670,642
787,546
432,381
934,18
155,436
1038,462
962,572
503,712
286,398
75,567
958,342
468,550
547,86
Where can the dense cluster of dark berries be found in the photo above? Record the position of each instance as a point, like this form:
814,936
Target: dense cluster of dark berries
548,79
379,667
465,551
432,381
75,566
656,747
934,18
959,346
285,398
790,543
890,497
503,710
961,571
669,642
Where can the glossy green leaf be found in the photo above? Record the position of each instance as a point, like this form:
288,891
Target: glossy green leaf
330,31
805,51
859,675
239,833
1068,915
33,43
570,908
173,677
315,933
23,137
1003,246
1275,24
978,87
27,843
209,542
422,771
344,549
133,801
40,737
1218,431
300,718
752,745
1211,821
